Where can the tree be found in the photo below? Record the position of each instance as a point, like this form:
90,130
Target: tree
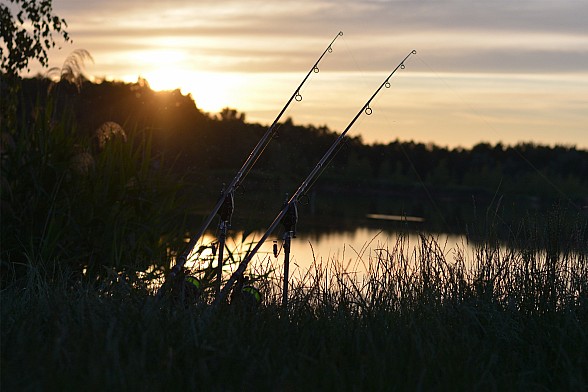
228,114
28,36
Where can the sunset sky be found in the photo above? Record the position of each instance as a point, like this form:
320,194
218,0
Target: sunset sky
489,71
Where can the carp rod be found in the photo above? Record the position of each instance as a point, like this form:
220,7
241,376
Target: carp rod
225,204
289,210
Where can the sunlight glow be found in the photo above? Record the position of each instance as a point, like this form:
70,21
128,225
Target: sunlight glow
211,92
170,69
465,108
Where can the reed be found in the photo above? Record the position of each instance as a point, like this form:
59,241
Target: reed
92,201
85,216
419,318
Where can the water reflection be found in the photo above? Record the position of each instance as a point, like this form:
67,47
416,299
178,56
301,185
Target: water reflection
353,249
352,229
357,246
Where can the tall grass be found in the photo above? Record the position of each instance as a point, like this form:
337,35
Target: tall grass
82,213
496,319
92,200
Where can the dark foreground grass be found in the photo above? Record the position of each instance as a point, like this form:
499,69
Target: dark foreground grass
511,321
497,320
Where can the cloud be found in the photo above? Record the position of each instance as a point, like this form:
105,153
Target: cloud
310,17
520,63
277,36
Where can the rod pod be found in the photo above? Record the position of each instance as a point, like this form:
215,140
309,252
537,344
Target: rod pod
304,186
242,173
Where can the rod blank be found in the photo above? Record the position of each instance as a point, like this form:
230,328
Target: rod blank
242,173
304,186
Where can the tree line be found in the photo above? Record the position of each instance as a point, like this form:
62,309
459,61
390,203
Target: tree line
206,146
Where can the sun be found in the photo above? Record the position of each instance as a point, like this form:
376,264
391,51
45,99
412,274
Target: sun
162,68
163,79
211,91
170,69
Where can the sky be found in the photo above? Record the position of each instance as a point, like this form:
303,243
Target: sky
485,71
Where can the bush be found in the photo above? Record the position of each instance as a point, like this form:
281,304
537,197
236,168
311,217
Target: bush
83,201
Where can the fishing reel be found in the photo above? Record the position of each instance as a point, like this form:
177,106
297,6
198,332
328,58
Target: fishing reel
192,287
290,219
226,210
245,293
251,295
186,289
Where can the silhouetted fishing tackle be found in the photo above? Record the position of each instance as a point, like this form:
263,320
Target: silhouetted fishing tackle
225,204
288,215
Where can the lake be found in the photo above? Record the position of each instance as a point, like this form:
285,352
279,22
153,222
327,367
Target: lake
352,231
350,250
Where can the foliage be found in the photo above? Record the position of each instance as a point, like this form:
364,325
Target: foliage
90,202
89,205
29,35
204,148
497,319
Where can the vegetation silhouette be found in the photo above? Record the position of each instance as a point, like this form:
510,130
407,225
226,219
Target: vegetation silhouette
203,143
171,160
92,183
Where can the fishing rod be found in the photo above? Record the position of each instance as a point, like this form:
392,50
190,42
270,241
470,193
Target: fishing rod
225,204
289,210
